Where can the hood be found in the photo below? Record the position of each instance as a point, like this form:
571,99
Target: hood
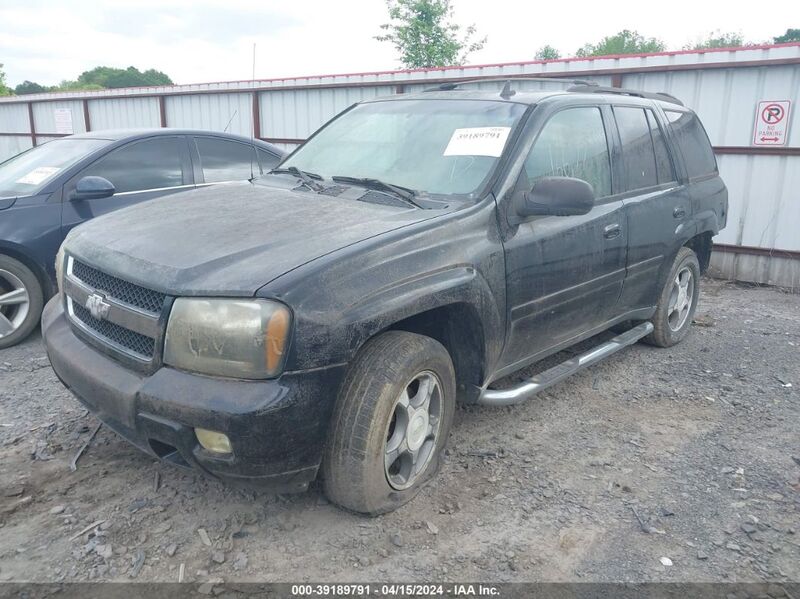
228,239
7,202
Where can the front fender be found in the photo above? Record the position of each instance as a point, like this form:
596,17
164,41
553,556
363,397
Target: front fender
461,284
341,301
334,337
30,231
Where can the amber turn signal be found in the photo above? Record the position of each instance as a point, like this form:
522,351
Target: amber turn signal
275,338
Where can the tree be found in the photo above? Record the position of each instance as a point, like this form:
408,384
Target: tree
791,35
67,85
547,52
109,77
717,39
624,42
4,91
423,33
30,87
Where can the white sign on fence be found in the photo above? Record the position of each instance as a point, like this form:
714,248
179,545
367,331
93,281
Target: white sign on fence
63,119
772,118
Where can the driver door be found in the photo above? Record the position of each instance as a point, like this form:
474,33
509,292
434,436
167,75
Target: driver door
564,273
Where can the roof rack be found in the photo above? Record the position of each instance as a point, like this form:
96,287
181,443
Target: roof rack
507,91
578,85
599,89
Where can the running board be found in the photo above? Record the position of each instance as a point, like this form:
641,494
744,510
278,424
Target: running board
556,374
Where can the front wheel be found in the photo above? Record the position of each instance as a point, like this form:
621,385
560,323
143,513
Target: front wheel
21,301
677,302
390,424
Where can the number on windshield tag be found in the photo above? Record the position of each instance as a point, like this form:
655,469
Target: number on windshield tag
477,141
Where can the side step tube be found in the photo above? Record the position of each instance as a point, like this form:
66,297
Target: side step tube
556,374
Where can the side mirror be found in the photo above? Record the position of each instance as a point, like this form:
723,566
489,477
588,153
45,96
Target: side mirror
93,188
557,196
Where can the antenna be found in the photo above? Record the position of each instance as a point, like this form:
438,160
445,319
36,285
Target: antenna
225,130
507,91
252,116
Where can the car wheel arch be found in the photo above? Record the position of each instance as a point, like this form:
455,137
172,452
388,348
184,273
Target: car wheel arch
459,328
48,288
701,244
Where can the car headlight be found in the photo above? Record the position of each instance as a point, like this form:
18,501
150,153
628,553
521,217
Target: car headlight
226,337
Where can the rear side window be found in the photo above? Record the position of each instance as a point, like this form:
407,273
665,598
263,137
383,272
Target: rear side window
142,165
638,156
572,144
226,160
693,142
664,168
268,160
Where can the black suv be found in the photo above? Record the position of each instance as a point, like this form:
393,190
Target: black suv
324,319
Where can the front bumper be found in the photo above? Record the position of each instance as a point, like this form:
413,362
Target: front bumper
277,428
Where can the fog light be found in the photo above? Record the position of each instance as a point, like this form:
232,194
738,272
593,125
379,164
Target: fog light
213,441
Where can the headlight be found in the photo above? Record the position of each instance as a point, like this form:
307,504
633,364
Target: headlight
234,338
60,268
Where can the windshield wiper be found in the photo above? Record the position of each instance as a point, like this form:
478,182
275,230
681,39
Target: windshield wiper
306,177
404,193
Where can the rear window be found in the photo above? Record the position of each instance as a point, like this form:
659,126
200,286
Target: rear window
666,174
693,142
226,160
638,155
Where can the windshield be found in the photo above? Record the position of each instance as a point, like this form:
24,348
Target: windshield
435,146
27,173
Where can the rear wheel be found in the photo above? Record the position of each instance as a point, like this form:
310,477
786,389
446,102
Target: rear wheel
21,301
677,302
391,423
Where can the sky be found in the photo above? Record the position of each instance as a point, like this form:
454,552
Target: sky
212,40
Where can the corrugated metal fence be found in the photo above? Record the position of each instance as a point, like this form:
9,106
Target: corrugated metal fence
761,243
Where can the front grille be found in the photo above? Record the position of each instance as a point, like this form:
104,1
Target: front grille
121,319
130,340
123,291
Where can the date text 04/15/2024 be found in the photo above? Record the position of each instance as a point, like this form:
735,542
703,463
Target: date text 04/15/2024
395,590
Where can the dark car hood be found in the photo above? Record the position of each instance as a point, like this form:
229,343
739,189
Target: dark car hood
228,239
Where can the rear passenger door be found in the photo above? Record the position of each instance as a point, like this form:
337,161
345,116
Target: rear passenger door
140,170
657,204
221,160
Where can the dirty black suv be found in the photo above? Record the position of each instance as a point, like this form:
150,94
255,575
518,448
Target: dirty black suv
323,320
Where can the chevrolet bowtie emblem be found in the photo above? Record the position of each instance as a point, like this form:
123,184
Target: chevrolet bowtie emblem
97,306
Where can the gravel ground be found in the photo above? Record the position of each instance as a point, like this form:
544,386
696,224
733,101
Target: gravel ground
656,465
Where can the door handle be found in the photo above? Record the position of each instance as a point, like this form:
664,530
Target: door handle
679,212
612,231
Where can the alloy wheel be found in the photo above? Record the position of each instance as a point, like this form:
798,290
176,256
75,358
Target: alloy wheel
680,299
14,303
412,432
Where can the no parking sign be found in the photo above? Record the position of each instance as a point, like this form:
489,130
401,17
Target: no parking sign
772,117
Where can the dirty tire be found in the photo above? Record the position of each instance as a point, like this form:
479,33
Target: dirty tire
14,270
663,334
355,476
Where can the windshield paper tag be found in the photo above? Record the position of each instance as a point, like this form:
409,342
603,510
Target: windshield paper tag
38,175
478,141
